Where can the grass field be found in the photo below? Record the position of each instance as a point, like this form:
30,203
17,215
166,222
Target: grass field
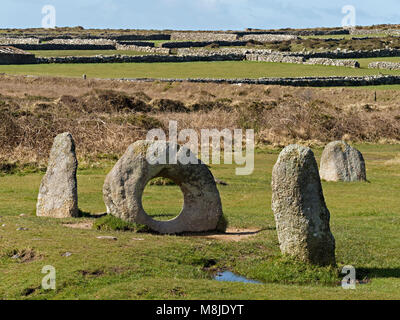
226,69
365,220
85,53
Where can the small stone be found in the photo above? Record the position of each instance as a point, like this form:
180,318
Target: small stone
221,182
66,254
22,229
22,215
107,238
58,196
340,162
3,225
301,215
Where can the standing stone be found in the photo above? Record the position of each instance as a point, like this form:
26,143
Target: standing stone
340,162
58,196
124,186
301,215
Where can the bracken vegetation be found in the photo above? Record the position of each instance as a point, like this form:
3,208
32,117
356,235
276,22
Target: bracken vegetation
105,120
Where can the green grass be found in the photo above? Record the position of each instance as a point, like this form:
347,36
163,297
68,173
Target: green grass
364,62
85,53
227,69
365,220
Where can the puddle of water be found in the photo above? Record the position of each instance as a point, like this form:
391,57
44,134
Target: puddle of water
231,277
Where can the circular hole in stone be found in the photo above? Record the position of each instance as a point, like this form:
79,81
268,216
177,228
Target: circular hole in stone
162,199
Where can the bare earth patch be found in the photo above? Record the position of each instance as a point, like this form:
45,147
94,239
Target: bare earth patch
231,234
81,225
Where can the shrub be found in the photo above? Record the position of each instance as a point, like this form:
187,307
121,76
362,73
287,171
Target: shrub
168,105
111,223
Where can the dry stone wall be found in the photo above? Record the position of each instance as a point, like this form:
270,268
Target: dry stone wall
332,62
269,37
296,82
203,36
384,65
281,58
198,44
143,58
337,54
274,58
12,41
83,41
137,43
11,55
59,46
311,32
374,31
143,49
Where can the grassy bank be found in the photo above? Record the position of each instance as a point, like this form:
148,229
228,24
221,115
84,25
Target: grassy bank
85,53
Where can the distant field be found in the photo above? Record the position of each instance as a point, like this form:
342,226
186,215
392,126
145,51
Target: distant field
364,62
85,53
346,36
226,69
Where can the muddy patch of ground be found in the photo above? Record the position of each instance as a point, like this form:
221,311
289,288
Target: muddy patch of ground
85,225
231,234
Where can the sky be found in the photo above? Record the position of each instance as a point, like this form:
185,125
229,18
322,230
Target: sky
197,14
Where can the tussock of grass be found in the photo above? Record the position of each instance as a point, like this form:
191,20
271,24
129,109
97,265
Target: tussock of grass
161,181
20,169
223,224
286,270
111,223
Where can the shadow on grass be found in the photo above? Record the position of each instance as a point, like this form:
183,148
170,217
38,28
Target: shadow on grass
239,233
161,215
85,214
378,273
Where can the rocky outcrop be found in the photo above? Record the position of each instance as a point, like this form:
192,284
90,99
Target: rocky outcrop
340,162
301,215
58,195
143,161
